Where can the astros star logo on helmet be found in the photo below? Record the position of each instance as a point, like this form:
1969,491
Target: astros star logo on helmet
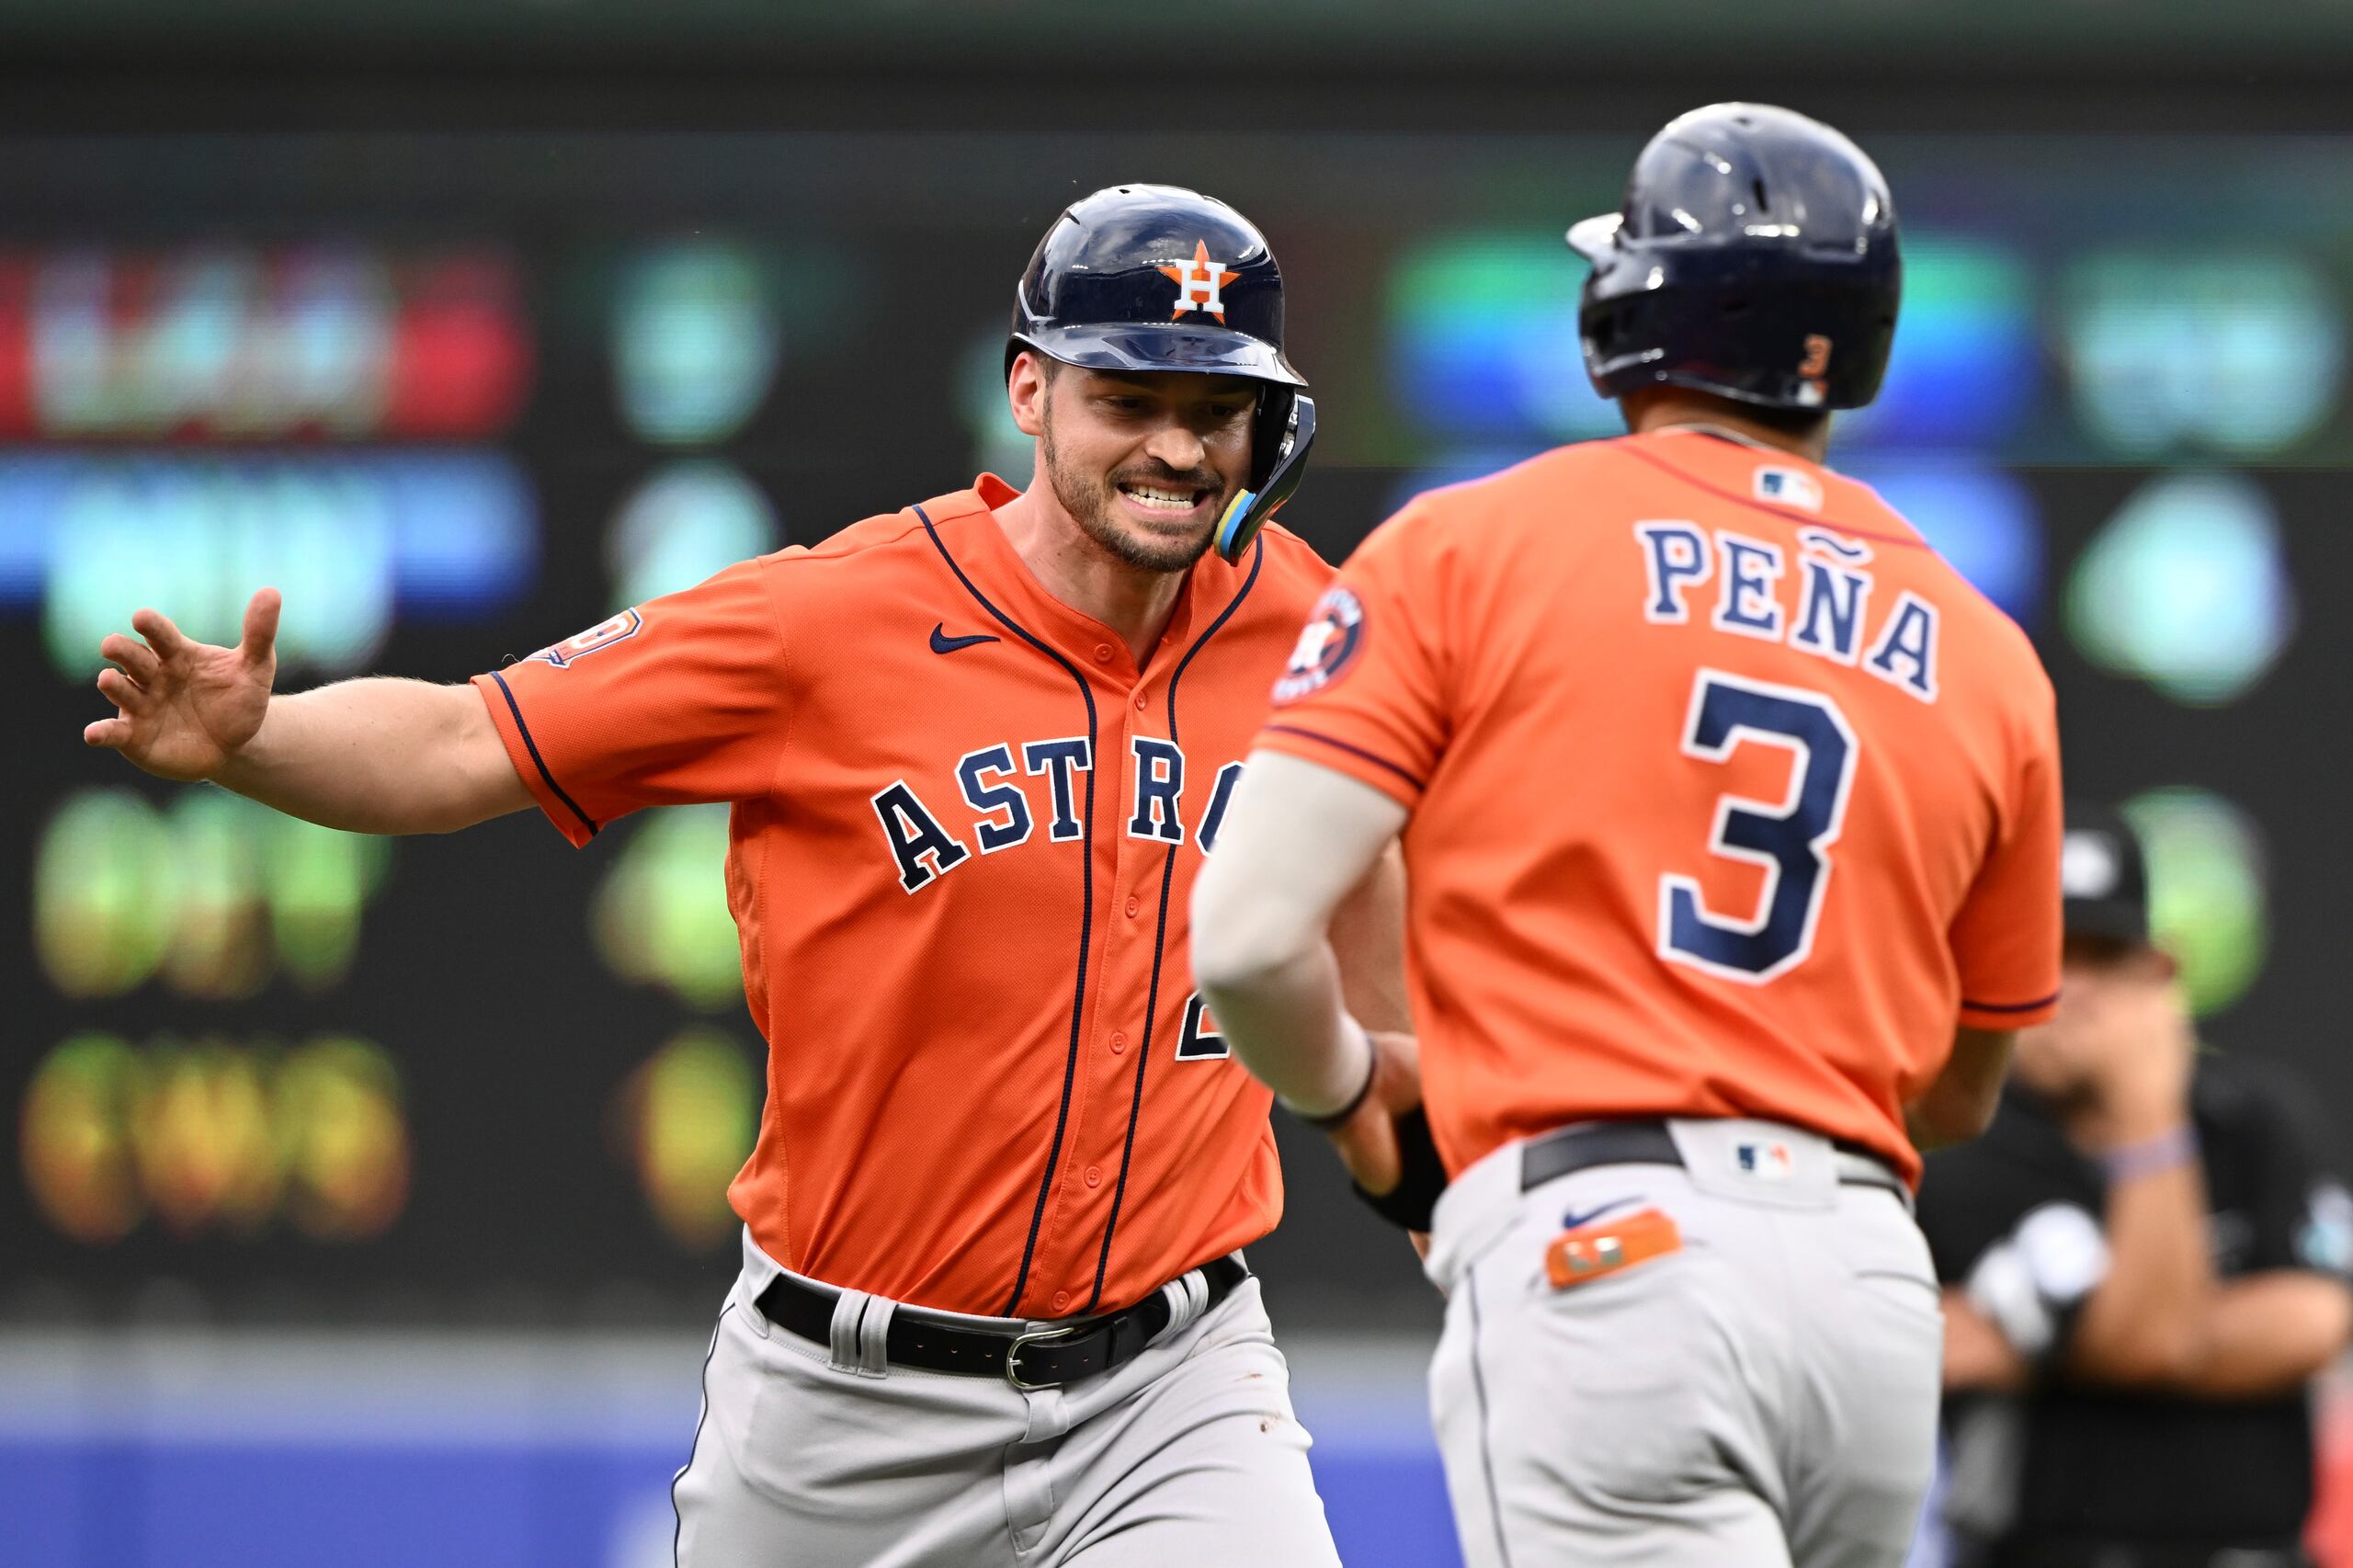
1200,283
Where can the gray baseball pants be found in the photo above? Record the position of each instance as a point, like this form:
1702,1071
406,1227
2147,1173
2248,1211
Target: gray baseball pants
809,1456
1766,1396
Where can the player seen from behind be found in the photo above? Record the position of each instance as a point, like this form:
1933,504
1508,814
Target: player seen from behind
1731,819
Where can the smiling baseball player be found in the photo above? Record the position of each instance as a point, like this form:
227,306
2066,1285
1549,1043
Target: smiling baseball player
1733,862
992,1309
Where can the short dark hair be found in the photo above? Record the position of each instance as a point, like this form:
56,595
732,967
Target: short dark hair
1803,424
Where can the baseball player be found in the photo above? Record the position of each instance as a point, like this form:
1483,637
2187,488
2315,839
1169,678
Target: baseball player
1732,823
992,1309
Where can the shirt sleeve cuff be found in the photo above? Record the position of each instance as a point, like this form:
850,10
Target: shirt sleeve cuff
1992,1015
522,750
1398,782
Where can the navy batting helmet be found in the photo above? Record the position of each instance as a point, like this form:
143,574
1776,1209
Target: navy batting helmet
1754,258
1154,278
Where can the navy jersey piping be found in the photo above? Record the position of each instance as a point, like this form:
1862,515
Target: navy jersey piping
2008,1006
1085,910
536,760
1159,943
1373,758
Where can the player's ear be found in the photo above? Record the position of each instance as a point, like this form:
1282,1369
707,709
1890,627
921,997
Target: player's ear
1026,388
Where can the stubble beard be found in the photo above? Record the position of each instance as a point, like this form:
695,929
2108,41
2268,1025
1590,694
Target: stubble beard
1089,500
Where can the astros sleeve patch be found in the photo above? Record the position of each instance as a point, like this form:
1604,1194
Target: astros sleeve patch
1361,693
680,699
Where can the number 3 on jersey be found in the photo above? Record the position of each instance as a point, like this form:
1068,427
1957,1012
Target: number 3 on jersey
1790,840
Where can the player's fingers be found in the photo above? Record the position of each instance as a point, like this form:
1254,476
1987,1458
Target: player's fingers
161,634
261,627
113,732
136,658
124,692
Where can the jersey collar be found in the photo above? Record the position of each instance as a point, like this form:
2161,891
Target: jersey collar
1730,467
997,569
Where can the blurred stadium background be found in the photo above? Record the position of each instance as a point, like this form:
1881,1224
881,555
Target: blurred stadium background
365,1201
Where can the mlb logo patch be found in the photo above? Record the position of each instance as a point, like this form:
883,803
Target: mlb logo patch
1766,1162
1789,487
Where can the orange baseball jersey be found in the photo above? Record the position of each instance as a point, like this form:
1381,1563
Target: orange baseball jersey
1730,797
961,852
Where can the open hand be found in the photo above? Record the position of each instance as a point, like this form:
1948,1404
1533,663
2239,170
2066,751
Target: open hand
183,708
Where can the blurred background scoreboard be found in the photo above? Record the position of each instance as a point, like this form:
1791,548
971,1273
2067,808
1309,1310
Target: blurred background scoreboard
467,325
458,394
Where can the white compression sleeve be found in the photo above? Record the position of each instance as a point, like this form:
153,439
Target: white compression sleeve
1296,840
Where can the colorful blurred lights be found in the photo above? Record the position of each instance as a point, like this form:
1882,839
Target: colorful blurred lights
691,1113
349,539
2240,353
236,343
2207,879
696,341
686,522
1980,519
211,1135
1965,368
215,895
661,916
2187,589
1484,343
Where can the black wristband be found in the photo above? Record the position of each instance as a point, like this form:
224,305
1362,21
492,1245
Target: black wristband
1421,1176
1331,1119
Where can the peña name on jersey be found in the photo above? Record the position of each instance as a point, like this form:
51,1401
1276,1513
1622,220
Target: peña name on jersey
1833,606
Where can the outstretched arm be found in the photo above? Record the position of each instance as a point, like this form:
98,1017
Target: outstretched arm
374,756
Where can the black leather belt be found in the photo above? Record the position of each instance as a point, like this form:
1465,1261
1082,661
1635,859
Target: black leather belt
1026,1357
1589,1143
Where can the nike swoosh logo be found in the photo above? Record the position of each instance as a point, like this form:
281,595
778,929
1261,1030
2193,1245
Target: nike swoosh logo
1573,1220
943,643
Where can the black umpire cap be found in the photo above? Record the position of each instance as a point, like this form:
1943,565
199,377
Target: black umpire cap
2104,876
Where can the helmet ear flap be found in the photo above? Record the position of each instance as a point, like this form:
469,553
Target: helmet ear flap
1282,430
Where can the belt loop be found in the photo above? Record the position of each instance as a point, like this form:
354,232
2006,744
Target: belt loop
844,1354
873,1335
1188,1297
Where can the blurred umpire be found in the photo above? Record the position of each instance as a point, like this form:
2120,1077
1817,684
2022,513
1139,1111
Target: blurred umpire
2145,1271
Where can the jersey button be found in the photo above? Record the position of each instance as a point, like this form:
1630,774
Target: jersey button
1135,907
1061,1301
1118,1043
1094,1176
1102,652
1140,702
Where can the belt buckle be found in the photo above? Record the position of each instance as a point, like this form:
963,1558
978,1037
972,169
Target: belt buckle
1031,1336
